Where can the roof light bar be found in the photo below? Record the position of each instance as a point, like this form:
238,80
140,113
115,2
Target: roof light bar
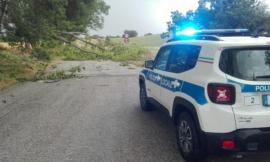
188,32
193,34
217,32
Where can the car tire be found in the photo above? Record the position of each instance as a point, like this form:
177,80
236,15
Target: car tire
188,139
144,101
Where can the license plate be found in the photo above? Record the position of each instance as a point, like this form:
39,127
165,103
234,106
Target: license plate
266,100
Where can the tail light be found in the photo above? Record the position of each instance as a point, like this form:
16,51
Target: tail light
228,145
221,93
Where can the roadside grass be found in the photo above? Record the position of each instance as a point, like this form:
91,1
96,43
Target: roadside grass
17,68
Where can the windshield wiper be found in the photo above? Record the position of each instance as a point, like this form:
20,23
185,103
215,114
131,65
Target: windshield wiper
262,76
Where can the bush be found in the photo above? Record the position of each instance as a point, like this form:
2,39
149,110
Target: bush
41,54
131,33
148,34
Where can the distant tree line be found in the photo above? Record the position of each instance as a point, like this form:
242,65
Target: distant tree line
212,14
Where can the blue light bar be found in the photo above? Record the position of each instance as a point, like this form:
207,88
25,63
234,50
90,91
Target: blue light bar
186,32
191,33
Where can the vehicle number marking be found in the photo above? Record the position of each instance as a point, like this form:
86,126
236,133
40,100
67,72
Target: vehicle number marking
252,100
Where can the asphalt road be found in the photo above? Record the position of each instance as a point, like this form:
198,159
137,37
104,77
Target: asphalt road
96,118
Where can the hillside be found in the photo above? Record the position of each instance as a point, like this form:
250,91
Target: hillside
146,41
152,43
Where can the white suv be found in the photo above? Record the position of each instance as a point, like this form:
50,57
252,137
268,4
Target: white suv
216,87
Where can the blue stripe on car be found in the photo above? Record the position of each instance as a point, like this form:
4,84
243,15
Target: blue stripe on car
248,88
192,90
195,91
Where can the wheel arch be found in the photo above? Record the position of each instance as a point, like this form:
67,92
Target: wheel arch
182,105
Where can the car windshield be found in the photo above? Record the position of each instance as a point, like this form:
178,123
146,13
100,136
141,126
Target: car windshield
248,64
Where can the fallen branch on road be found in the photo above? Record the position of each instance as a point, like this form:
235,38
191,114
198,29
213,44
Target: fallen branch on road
70,43
75,35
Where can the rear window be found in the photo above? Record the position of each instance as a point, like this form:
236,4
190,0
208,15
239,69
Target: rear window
251,64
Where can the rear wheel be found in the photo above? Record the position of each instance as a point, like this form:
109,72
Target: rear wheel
145,104
188,139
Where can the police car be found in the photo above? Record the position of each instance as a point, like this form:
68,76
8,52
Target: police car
215,84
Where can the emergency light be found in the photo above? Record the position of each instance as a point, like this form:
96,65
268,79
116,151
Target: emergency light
186,32
191,33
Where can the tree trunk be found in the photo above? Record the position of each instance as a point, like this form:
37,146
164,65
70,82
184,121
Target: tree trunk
4,9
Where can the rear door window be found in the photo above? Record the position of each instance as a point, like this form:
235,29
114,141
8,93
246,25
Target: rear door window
183,58
251,64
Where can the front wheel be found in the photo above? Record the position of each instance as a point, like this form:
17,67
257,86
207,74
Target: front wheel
188,139
144,101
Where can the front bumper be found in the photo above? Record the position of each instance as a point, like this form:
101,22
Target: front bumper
246,140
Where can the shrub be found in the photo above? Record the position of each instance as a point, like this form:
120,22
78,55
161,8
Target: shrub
148,34
131,33
41,54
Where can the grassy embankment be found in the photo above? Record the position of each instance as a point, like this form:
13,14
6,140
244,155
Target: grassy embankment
17,67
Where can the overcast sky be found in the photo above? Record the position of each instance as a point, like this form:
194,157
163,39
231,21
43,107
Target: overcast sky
143,16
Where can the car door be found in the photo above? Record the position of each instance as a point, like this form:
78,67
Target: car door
182,59
155,76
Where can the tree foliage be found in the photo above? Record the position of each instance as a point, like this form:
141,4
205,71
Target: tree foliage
32,21
131,33
210,14
148,34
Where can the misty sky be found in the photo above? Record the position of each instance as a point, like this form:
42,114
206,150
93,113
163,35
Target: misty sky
143,16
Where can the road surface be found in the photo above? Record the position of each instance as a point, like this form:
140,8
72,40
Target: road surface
96,118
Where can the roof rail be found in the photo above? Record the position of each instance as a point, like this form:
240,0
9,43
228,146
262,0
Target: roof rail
225,32
197,37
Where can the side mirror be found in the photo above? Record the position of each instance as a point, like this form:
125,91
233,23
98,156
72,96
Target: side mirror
149,64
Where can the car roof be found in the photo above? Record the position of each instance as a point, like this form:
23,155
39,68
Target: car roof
244,39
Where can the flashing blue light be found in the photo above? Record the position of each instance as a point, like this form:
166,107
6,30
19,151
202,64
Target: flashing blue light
188,32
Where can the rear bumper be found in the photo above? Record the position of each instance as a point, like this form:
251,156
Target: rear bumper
246,140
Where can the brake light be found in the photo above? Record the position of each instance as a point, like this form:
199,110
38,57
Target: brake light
228,145
221,93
